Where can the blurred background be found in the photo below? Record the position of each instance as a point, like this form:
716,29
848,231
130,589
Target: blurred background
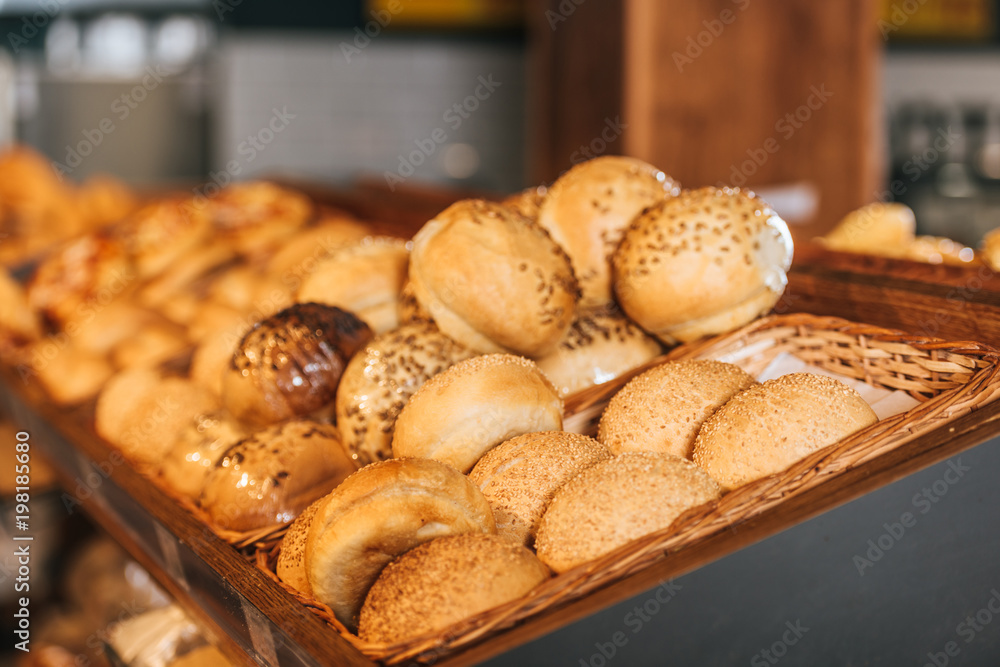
824,106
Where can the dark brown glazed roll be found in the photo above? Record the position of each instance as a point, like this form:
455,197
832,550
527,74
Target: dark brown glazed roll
289,364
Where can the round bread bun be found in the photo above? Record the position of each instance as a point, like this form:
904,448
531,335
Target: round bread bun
381,378
462,413
378,513
492,280
587,209
271,476
662,409
617,501
878,228
291,565
364,278
703,263
600,345
299,257
442,582
71,376
17,320
527,202
289,364
161,233
198,448
141,413
520,476
256,216
770,426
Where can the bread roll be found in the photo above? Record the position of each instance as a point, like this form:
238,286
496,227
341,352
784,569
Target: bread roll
289,364
160,233
141,412
527,202
702,263
663,409
291,565
255,217
770,426
151,346
442,582
520,476
589,207
198,448
409,309
271,476
881,229
68,374
381,378
462,413
380,512
600,345
365,278
297,258
18,321
617,501
492,280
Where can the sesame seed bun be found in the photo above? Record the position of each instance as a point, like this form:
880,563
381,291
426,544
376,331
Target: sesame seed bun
587,209
663,409
600,345
380,379
616,501
492,280
701,264
462,413
520,476
445,581
527,202
380,512
770,426
291,565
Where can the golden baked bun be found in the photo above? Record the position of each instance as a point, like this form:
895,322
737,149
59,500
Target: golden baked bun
381,378
617,501
255,217
941,250
159,234
409,309
662,409
140,412
151,346
80,277
442,582
365,278
880,229
770,426
289,364
600,345
377,514
271,476
198,447
297,258
70,375
703,263
462,413
103,199
492,280
520,476
587,209
291,565
18,322
527,202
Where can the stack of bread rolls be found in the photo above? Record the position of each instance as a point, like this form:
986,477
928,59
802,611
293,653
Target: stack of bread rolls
400,402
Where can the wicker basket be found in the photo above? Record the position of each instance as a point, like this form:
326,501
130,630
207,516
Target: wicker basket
950,379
